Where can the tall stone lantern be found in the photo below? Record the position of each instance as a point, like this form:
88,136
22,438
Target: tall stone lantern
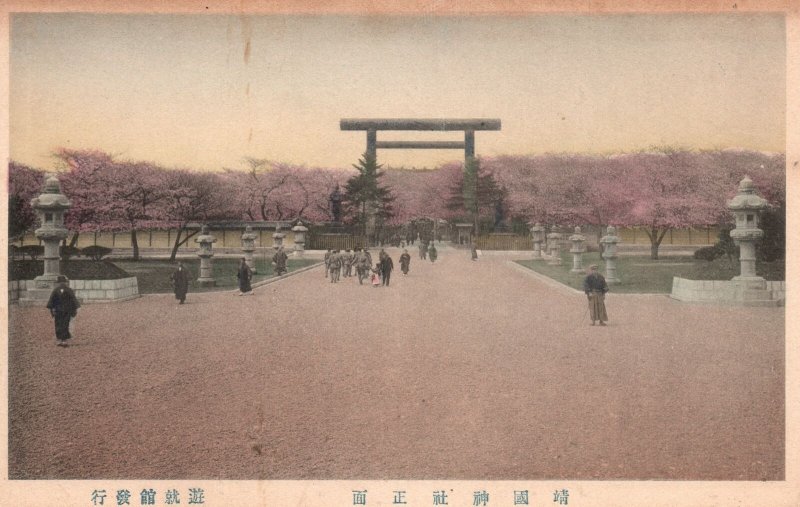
537,234
299,231
50,206
577,250
609,242
277,238
553,240
206,241
746,206
249,246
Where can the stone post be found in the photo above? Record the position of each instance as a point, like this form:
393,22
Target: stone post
206,241
537,233
277,238
609,242
555,248
746,206
577,250
50,206
299,231
249,246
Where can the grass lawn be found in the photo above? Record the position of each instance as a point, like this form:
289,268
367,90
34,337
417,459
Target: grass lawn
642,275
153,274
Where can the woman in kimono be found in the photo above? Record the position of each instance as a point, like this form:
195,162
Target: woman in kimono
245,275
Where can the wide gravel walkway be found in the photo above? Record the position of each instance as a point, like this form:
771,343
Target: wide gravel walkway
460,370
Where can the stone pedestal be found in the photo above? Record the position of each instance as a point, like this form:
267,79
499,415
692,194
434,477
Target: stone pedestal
537,235
248,247
577,250
299,231
553,242
49,206
609,242
206,240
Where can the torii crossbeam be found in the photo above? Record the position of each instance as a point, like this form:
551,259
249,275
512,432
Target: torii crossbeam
468,126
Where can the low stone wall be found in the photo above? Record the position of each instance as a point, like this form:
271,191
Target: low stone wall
87,291
722,292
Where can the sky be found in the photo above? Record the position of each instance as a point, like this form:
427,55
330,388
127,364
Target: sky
206,91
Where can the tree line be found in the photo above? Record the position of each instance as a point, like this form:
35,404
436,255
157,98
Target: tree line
658,190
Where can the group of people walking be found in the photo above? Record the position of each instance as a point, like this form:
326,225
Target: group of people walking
428,250
340,264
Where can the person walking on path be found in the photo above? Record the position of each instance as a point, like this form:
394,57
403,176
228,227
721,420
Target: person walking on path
327,262
375,278
63,306
245,275
432,253
595,287
180,282
387,265
279,260
405,262
474,252
335,265
423,250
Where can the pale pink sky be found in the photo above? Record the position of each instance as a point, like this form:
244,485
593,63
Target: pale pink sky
206,91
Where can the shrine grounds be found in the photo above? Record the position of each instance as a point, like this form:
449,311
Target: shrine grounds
460,370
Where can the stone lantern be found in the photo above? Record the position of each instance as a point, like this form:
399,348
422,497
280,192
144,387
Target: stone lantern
577,250
746,206
277,238
553,240
609,242
50,207
206,240
537,233
249,246
299,231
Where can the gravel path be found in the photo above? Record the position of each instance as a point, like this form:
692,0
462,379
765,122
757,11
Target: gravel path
460,370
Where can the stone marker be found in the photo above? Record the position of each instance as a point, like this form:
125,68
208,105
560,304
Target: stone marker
206,240
609,242
277,238
577,250
553,240
299,231
746,206
49,206
248,247
537,233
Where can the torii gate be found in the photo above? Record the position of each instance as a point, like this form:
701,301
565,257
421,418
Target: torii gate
467,125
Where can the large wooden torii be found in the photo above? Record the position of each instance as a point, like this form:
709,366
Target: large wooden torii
468,126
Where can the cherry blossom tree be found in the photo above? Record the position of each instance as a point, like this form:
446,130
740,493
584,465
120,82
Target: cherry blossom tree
24,183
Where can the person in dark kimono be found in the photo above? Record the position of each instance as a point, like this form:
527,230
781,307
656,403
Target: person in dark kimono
595,287
180,282
387,265
432,253
423,250
474,252
279,259
245,275
63,306
405,262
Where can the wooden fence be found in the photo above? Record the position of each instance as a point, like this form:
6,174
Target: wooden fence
504,242
335,242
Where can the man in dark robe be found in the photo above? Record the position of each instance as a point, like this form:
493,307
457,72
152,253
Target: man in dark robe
279,259
595,287
387,265
180,282
405,262
245,275
63,306
474,252
432,253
